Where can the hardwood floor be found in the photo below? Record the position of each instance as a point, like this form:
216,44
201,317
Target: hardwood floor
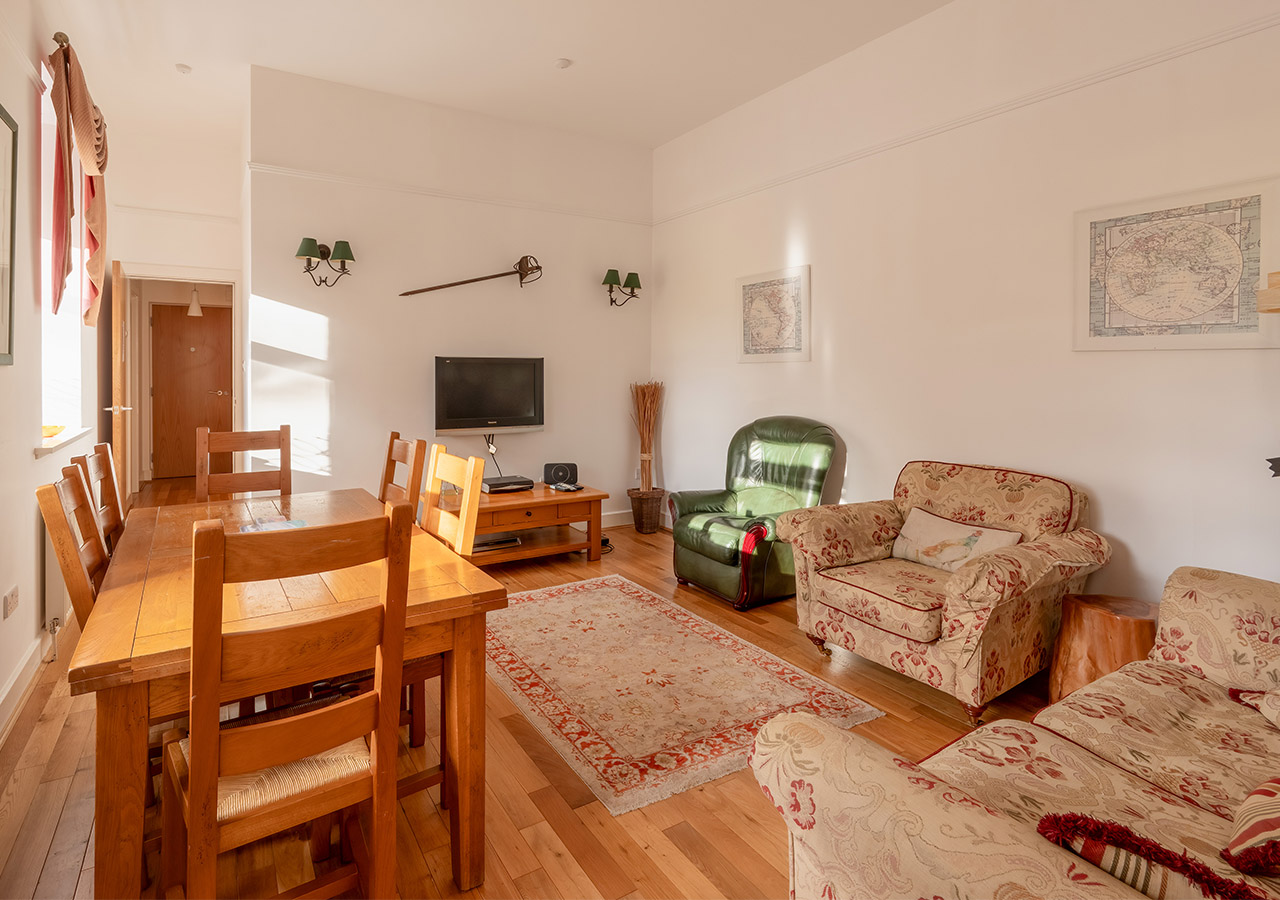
547,836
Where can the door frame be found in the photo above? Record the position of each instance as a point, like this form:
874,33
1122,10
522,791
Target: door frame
139,326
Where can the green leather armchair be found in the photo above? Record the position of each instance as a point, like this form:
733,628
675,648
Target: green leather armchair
725,541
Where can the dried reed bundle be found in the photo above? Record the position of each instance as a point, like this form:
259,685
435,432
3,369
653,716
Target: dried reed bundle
647,397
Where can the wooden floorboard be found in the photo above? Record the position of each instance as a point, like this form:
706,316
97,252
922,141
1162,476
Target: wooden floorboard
547,835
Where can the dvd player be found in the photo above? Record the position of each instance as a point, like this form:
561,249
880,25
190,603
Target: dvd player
503,484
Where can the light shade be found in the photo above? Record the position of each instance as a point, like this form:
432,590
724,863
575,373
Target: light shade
194,308
632,282
611,278
341,252
309,249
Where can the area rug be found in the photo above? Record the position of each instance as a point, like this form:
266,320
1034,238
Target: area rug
641,697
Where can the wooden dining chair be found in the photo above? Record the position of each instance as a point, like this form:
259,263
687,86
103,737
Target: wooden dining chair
454,526
99,469
77,538
227,786
456,529
208,442
411,454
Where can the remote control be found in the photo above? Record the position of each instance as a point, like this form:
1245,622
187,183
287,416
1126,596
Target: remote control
564,486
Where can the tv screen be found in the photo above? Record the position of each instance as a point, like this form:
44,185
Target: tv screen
482,394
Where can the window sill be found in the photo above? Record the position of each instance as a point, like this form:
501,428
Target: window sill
50,444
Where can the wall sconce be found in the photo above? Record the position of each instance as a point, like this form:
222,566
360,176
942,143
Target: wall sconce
629,287
313,253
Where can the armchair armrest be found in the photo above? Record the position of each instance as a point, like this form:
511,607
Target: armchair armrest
685,503
1004,576
842,535
866,823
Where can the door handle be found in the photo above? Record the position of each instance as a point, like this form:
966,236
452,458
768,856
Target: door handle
117,409
219,393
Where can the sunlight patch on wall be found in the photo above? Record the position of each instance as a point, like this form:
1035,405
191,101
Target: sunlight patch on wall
289,374
797,246
286,327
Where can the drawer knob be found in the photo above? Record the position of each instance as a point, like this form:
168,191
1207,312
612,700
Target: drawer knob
528,512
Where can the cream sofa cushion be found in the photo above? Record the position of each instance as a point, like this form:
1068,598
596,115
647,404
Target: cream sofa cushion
943,544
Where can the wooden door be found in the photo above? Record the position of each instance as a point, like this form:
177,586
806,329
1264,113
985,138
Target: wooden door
190,386
120,423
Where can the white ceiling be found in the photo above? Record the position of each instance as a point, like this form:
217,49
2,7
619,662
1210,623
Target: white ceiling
644,71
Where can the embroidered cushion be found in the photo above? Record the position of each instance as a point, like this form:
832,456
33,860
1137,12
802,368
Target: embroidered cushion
1139,862
1254,847
943,544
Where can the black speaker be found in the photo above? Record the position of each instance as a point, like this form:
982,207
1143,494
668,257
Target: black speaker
555,473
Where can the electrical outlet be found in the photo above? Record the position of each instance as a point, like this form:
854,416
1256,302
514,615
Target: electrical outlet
637,475
11,601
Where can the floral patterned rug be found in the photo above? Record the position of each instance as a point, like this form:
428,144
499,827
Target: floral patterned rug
640,696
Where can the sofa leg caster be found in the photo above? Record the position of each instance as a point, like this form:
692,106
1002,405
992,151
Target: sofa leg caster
974,713
820,644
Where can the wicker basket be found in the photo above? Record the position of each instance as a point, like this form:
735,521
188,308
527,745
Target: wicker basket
646,508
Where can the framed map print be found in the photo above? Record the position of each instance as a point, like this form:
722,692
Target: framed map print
773,316
1177,272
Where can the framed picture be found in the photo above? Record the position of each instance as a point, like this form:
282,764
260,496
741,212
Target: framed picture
1178,272
8,187
773,316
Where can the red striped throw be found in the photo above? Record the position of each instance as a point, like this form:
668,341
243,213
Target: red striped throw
1254,847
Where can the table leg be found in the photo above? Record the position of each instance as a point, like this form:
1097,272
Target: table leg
464,746
593,532
119,787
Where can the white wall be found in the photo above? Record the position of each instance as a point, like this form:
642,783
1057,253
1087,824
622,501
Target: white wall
173,185
930,179
22,639
428,195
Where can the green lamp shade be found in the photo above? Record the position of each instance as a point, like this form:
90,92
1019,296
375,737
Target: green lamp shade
633,282
308,249
342,252
611,278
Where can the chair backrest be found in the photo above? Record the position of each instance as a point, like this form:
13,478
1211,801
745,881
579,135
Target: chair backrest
413,455
1034,505
99,470
783,454
77,538
241,441
455,525
229,666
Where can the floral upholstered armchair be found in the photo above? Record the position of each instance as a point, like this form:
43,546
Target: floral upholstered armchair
967,622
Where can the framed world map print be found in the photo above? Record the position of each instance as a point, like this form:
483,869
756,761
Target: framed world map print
1176,272
773,316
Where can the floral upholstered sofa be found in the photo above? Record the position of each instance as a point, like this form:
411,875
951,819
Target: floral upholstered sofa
974,632
1140,775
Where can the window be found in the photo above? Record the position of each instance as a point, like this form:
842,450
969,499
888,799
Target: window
67,347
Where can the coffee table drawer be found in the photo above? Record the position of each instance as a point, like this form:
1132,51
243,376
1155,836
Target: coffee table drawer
537,515
580,510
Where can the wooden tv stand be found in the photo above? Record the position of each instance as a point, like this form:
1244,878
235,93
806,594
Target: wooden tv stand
542,519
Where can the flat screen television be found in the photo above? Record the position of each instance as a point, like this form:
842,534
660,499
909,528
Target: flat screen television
477,395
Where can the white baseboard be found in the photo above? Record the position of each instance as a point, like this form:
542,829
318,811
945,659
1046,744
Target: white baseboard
14,694
615,518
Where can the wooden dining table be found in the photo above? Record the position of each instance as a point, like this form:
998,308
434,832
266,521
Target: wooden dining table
135,654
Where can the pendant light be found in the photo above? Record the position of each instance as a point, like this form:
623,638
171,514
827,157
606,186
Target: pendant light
194,309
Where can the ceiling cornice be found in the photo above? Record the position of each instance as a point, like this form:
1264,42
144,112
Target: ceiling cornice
398,187
1102,75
